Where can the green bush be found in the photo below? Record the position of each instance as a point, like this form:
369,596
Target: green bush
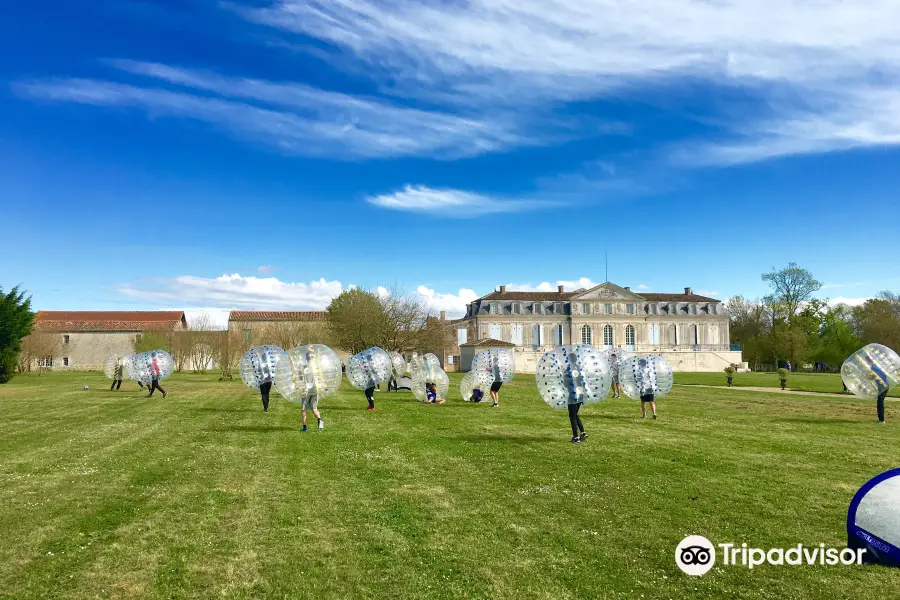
783,374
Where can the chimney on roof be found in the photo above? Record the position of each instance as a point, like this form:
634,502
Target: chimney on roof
688,292
627,289
502,289
443,315
561,289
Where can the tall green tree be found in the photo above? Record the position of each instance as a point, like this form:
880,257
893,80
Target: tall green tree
16,322
838,338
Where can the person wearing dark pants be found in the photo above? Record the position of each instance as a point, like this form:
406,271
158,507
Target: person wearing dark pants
370,396
117,376
880,405
264,389
578,434
154,385
154,376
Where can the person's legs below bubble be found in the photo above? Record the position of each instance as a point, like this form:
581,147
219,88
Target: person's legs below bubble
653,408
880,406
264,389
113,386
578,421
303,418
370,396
161,391
118,384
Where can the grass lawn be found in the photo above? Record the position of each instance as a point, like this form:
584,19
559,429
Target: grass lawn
805,382
202,495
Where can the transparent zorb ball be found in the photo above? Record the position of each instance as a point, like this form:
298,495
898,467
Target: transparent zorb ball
475,380
143,366
499,362
398,364
427,370
369,368
117,366
312,371
643,374
259,363
871,370
573,374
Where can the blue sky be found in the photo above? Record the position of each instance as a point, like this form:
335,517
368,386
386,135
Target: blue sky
261,154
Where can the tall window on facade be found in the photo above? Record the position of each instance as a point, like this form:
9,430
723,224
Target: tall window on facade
65,361
608,335
496,331
629,335
586,309
536,336
653,333
695,334
65,339
714,334
558,335
462,335
607,308
629,309
586,334
538,308
494,308
516,337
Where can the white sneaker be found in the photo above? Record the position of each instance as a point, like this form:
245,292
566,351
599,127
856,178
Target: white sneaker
321,425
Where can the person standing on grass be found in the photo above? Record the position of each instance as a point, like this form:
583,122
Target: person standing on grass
495,387
154,376
578,434
264,389
645,386
370,396
311,401
614,367
118,373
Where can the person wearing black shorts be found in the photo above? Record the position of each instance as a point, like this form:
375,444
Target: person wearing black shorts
495,393
645,385
648,399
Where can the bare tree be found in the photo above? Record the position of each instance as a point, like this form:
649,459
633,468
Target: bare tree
227,348
39,349
201,350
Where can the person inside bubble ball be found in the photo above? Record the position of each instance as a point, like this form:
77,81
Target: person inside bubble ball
265,388
118,373
883,385
370,396
614,367
495,387
431,395
645,387
154,376
477,395
311,401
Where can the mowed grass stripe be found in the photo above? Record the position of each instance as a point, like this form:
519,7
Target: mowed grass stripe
203,495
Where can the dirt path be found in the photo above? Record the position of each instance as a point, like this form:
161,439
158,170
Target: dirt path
774,391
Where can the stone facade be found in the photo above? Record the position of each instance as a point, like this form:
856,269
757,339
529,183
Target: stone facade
87,338
605,316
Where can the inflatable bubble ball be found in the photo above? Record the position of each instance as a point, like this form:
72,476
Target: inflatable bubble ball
429,371
398,364
259,363
117,366
475,380
643,374
871,370
312,371
369,368
573,374
143,366
500,362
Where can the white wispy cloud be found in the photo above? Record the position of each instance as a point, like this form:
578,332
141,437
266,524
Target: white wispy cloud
825,72
265,269
295,118
452,203
849,301
268,293
546,286
708,293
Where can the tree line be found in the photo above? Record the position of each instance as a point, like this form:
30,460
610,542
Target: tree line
789,324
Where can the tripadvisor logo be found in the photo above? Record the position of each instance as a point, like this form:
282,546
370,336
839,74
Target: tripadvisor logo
696,555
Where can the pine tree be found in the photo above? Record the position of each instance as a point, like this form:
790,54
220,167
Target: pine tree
16,322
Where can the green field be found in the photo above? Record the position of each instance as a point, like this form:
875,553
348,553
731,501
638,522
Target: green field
202,495
804,382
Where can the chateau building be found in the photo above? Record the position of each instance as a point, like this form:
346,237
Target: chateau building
605,316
